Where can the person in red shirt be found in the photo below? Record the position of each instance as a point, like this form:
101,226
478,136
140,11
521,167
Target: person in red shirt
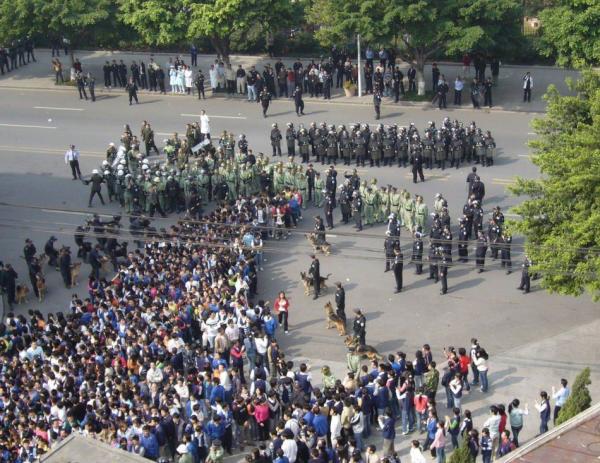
503,418
281,307
465,362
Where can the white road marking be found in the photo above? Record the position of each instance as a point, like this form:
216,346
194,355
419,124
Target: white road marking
531,133
58,109
210,116
524,155
21,126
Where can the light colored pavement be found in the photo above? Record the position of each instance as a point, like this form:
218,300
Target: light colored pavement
533,340
507,94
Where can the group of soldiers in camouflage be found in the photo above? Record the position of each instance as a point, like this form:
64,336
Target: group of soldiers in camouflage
452,144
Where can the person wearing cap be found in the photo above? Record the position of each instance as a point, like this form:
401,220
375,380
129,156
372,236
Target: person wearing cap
290,138
417,251
397,267
359,327
96,182
51,252
421,213
276,139
72,159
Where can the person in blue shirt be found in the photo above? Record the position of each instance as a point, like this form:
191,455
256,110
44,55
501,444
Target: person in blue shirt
381,396
320,423
215,429
217,392
388,432
149,443
560,397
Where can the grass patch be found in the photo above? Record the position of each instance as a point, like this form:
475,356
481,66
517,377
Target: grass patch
413,96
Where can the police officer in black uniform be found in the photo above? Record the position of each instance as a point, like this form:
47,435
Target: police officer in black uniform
329,206
340,301
315,273
357,207
265,100
481,250
505,242
417,166
290,138
398,266
525,277
345,198
463,238
443,269
377,103
417,251
433,261
389,245
359,327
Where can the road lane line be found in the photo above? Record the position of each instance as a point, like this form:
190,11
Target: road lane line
210,116
21,126
53,152
54,108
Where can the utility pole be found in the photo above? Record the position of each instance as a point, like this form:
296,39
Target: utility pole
359,69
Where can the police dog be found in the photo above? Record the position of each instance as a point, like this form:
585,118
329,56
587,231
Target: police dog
75,271
325,247
334,320
21,294
40,284
367,351
307,281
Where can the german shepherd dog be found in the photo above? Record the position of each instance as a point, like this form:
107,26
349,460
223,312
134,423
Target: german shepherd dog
325,247
308,282
368,351
334,320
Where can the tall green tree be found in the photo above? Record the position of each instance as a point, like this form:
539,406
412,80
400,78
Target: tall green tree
580,398
158,22
571,32
561,210
422,29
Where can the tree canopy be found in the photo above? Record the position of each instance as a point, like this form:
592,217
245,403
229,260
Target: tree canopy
571,32
421,29
561,210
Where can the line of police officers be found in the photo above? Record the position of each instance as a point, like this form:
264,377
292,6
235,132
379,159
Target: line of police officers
19,53
451,144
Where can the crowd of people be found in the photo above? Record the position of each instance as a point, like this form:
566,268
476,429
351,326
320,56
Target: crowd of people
380,76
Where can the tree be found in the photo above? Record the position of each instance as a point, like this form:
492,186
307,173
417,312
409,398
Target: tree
217,19
570,32
462,454
561,212
158,22
422,29
580,398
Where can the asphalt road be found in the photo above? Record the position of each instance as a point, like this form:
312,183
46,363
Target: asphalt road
533,339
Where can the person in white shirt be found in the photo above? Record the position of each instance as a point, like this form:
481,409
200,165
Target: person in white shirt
289,446
560,397
458,88
72,159
416,456
204,126
493,425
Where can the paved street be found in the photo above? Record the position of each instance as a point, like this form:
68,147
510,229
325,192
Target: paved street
533,340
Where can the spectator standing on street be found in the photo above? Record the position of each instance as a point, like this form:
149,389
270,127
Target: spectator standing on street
527,86
487,92
91,83
515,419
281,305
80,81
57,67
194,55
72,159
458,88
543,406
560,397
204,126
240,77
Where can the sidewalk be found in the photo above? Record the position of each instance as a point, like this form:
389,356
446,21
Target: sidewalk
507,94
